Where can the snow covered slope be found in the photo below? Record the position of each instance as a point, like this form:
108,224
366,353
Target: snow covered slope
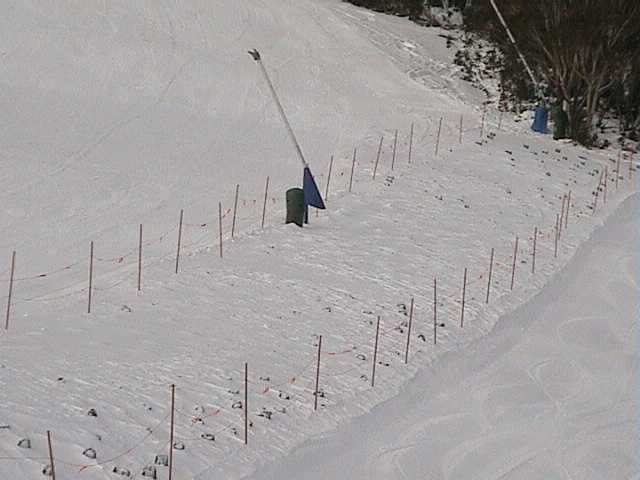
550,394
117,114
129,112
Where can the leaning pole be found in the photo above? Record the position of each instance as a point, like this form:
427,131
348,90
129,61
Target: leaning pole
256,56
312,195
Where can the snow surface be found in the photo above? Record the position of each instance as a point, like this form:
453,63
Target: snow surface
117,114
551,393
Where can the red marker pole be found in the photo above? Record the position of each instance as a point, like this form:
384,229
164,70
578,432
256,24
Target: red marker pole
353,167
375,165
464,294
513,269
535,241
490,274
235,211
53,467
375,354
179,239
90,277
406,352
411,142
140,259
315,400
395,145
13,267
173,405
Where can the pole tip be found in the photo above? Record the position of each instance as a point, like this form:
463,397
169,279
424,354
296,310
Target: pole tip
254,54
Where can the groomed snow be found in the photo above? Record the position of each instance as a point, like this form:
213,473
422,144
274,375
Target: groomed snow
118,114
551,393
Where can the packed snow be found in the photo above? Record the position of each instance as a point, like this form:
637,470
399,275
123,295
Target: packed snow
121,114
551,393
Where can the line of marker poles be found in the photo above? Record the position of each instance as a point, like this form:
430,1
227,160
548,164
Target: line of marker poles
559,219
564,215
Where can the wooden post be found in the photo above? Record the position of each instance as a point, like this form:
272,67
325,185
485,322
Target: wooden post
264,205
179,239
353,166
326,191
464,295
246,403
395,144
460,137
140,259
435,312
53,467
513,269
235,211
438,137
173,406
90,277
406,352
490,273
411,142
555,248
315,400
535,241
500,120
220,225
566,215
606,178
617,171
375,353
13,268
484,113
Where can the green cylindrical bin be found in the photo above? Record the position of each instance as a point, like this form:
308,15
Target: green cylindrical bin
561,121
295,206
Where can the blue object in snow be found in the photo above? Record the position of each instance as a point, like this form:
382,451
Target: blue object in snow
311,194
540,119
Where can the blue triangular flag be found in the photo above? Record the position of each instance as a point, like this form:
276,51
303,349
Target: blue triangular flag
311,194
540,119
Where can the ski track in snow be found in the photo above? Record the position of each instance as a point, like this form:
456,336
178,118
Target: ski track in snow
141,110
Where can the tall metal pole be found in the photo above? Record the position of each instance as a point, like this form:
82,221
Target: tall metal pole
256,56
515,45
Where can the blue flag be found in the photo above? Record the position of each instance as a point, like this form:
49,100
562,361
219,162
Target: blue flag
540,119
311,194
